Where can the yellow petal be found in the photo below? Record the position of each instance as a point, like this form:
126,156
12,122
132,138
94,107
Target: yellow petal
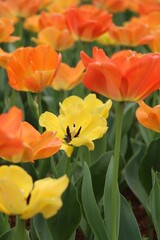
51,123
46,197
17,176
15,186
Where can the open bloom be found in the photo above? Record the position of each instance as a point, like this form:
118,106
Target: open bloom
79,123
54,31
10,122
131,34
32,68
126,76
149,117
21,142
85,22
14,9
20,196
68,77
35,145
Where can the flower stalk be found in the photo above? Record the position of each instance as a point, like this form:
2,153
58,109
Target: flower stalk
119,124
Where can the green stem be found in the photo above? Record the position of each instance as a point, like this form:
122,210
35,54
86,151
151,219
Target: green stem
119,122
39,98
20,231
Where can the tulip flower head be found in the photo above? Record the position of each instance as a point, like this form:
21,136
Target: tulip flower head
33,68
6,29
10,142
79,123
85,22
126,76
20,196
21,142
149,117
68,77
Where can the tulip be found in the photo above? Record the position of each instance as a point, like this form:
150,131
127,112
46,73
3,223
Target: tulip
33,68
79,123
149,117
10,122
126,76
68,77
85,22
20,196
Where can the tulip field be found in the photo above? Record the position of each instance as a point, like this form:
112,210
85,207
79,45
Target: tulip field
79,120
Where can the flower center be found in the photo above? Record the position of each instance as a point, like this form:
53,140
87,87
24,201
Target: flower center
71,133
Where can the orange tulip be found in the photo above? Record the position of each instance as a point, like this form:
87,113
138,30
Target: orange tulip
35,145
61,5
85,22
149,117
10,142
131,34
32,69
54,31
32,23
68,77
56,38
21,142
112,5
6,29
126,76
14,9
155,43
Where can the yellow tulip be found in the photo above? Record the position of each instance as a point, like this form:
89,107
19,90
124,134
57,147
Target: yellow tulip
79,123
20,196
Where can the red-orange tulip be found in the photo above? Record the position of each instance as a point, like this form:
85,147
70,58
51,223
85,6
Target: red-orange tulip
10,141
33,69
126,76
85,22
149,117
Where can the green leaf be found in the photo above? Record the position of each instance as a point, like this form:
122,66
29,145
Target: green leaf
4,225
100,148
128,223
90,207
63,224
41,228
107,201
154,205
150,161
132,175
98,172
7,235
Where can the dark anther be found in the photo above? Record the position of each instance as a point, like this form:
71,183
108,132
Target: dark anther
68,136
28,199
78,132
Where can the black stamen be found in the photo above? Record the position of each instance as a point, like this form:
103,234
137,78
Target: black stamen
78,132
